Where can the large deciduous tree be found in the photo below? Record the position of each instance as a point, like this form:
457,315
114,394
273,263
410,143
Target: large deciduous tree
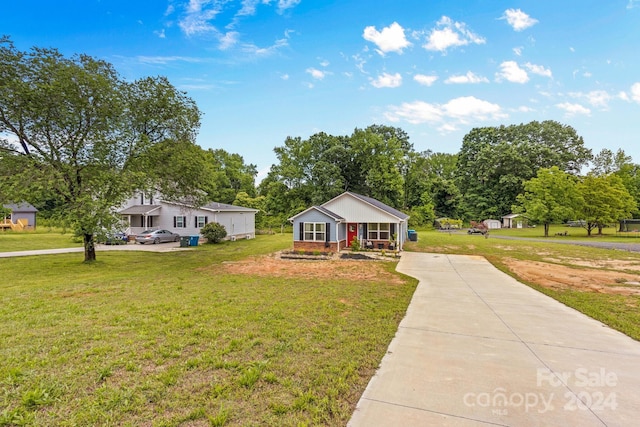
494,162
371,161
604,200
73,131
618,163
549,198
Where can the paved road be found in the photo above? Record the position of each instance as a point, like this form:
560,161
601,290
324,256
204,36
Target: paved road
163,247
632,246
476,347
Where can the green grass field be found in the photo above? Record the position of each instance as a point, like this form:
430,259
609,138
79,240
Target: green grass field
172,339
169,339
42,238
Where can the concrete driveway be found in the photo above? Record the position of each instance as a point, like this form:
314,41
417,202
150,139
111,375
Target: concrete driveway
162,247
476,347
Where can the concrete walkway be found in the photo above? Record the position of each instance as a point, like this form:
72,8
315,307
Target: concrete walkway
476,347
162,247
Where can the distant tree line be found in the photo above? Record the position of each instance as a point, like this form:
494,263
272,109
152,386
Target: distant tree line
76,140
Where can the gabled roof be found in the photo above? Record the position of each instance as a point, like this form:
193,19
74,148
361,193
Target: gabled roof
140,210
322,210
20,207
223,207
513,215
375,203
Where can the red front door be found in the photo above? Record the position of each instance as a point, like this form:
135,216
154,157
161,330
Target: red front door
352,231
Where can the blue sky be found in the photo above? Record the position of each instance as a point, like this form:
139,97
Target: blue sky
262,70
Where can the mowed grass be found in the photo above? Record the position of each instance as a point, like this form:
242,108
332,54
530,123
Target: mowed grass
618,311
169,339
41,238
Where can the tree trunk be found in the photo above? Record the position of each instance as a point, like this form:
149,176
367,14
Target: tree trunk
546,229
89,248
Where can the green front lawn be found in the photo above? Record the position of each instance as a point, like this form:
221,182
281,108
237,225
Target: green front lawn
167,339
43,238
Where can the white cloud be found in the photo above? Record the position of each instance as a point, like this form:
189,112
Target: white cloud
511,71
167,59
470,107
623,96
265,51
595,98
466,78
249,6
424,79
524,109
283,5
315,73
390,39
447,116
573,109
635,92
450,34
196,20
518,19
538,69
598,98
160,34
518,50
387,80
632,4
228,40
285,77
415,112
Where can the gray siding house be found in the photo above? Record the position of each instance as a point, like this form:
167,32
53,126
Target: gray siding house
23,216
148,213
333,225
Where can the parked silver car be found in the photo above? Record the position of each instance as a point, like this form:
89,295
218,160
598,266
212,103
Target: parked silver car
157,236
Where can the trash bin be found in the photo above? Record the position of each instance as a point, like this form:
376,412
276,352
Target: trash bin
413,236
193,240
184,241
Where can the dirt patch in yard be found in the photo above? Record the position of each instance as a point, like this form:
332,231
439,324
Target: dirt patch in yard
562,277
274,266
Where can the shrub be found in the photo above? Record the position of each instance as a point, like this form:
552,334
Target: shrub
214,232
355,244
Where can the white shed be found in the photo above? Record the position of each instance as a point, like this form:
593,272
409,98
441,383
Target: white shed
492,224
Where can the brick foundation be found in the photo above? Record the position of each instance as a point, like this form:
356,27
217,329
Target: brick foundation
316,246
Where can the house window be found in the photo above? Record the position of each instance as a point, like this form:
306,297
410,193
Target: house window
378,231
180,221
314,231
201,221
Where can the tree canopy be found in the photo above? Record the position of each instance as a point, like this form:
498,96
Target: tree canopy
549,198
371,161
604,200
77,133
494,162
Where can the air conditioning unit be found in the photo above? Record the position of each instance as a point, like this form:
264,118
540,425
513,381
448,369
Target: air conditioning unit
232,238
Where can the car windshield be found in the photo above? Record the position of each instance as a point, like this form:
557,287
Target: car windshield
147,232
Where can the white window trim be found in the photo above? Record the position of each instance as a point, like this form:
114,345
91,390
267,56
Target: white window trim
204,221
378,233
315,231
181,221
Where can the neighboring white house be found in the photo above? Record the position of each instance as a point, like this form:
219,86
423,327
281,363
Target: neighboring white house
333,225
148,213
